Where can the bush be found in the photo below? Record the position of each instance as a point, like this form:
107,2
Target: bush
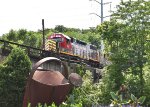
87,95
14,72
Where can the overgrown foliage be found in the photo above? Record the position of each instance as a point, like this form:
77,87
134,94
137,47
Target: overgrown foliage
117,100
126,39
25,37
14,72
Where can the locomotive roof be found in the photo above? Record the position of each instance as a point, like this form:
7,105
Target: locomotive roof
64,35
81,42
78,41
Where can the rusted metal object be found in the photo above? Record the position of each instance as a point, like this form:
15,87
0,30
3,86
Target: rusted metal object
75,79
45,86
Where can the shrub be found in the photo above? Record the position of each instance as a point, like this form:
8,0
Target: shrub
14,73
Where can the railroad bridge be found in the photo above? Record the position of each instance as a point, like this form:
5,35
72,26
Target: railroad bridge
36,54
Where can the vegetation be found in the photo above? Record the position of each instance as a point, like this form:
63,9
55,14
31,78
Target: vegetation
134,101
25,37
126,38
127,42
14,72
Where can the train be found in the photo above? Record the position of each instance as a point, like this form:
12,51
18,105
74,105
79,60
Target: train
77,49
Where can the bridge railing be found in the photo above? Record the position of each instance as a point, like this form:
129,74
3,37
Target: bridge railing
6,47
36,53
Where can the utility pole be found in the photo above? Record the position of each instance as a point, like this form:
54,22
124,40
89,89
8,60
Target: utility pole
102,16
43,34
102,11
102,4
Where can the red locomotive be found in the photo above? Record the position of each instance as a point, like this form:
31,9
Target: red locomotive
63,40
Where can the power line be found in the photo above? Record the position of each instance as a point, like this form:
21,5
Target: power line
102,4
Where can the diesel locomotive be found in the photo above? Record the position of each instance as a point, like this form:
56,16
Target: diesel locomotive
63,44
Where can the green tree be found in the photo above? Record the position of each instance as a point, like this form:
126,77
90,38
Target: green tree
95,39
135,16
125,37
22,34
14,73
60,28
111,36
110,33
12,35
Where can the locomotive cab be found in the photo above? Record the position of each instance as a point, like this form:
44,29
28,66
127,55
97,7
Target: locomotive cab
63,41
57,39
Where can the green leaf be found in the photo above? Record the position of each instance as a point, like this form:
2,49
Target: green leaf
29,104
141,99
39,105
45,105
125,102
53,105
114,96
120,97
133,98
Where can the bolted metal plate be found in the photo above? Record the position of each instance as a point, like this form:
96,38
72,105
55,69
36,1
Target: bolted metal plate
75,79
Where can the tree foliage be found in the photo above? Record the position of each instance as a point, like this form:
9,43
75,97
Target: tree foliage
25,37
60,28
14,73
125,37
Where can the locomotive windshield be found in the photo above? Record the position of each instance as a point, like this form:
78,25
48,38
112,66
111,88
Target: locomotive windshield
57,39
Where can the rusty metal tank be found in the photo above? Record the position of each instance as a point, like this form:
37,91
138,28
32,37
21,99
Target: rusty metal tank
47,86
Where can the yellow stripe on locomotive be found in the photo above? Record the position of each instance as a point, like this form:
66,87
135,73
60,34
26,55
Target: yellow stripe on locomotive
50,45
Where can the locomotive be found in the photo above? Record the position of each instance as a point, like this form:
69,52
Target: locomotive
63,44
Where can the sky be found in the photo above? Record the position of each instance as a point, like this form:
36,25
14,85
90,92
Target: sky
28,14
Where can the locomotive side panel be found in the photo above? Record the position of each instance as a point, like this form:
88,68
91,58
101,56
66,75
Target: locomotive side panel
88,51
93,53
79,48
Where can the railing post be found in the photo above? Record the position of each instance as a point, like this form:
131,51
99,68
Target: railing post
28,50
3,50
